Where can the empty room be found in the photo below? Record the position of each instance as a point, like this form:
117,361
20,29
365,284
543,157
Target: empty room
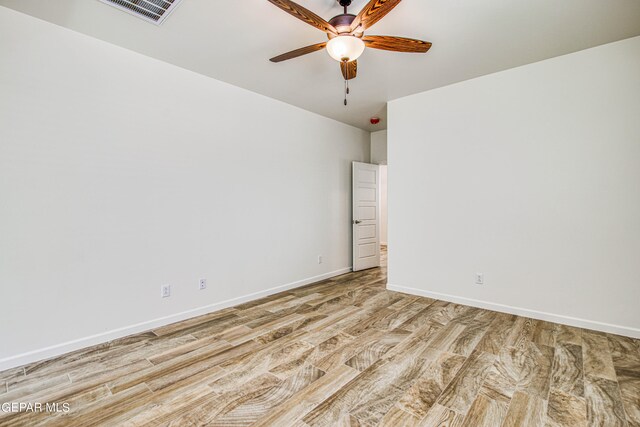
320,213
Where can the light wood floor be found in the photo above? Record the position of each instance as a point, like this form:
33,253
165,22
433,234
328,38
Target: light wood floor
342,352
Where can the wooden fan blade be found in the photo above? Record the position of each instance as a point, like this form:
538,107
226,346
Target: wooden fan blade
374,11
396,44
349,69
299,52
305,15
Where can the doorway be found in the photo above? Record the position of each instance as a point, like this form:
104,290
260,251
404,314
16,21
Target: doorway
383,217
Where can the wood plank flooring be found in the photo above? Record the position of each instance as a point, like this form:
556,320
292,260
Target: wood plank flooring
344,351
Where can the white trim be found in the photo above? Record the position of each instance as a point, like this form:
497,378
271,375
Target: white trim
540,315
66,347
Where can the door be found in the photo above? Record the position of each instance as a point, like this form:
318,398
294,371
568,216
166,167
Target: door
366,216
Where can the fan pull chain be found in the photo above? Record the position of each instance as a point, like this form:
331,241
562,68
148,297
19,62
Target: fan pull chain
346,91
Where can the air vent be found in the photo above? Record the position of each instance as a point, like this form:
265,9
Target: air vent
155,11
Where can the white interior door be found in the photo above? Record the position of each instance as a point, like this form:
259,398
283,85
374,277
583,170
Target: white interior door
366,216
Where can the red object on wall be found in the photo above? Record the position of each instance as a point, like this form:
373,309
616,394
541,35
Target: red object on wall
375,120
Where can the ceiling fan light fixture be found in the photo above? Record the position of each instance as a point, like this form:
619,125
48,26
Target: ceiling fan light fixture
345,48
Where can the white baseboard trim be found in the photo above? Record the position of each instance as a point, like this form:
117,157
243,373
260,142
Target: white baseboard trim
66,347
525,312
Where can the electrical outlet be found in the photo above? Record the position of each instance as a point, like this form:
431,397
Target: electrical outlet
165,291
479,278
319,259
202,284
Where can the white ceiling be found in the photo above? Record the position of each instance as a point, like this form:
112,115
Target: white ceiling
232,41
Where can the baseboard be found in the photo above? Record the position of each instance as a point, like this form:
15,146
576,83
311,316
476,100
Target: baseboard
525,312
66,347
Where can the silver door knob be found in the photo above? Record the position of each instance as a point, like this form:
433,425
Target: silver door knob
356,221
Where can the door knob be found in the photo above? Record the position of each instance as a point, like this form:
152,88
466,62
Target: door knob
356,221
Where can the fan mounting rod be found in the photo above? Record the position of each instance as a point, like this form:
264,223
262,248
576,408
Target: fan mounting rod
345,4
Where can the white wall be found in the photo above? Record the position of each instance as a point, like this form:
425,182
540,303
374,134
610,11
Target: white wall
120,173
530,176
379,147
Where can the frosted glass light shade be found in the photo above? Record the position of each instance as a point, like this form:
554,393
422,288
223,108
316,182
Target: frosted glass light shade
345,48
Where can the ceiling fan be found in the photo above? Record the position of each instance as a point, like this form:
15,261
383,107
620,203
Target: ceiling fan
346,34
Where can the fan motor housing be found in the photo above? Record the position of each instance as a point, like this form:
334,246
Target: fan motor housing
342,23
344,19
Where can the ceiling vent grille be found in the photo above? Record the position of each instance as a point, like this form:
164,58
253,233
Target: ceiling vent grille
155,11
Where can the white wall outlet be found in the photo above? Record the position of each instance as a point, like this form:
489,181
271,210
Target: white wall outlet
319,259
165,291
202,284
479,278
